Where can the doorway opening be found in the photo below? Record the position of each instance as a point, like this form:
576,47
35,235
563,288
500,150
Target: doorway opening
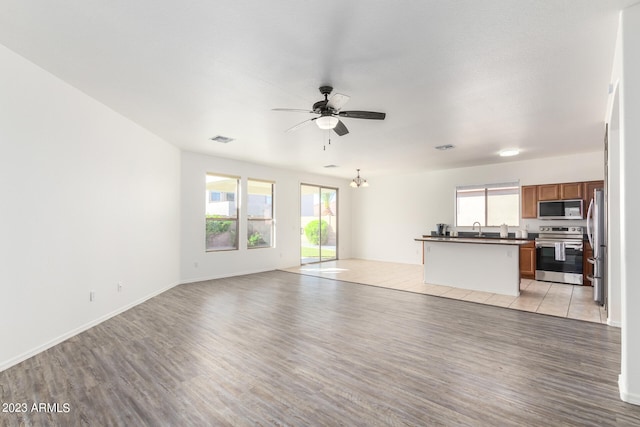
318,223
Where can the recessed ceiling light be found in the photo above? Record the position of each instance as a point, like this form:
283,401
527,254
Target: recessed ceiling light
444,147
510,152
220,138
330,166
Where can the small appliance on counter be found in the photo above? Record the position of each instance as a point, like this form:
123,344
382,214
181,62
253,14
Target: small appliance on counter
441,229
504,231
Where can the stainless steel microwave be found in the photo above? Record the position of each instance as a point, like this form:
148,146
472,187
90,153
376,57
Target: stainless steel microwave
560,209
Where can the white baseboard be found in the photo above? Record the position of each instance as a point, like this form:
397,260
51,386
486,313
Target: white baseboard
614,324
633,398
30,353
223,276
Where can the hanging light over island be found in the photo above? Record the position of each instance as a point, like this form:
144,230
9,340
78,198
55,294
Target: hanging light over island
358,182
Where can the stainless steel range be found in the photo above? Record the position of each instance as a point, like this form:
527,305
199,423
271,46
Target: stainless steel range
559,254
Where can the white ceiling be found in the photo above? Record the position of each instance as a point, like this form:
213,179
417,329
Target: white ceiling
482,75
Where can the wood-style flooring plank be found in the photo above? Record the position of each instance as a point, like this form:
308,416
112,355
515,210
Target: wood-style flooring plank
286,349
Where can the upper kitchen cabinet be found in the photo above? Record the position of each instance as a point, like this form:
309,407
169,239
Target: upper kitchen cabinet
532,194
529,201
589,186
565,191
549,192
571,190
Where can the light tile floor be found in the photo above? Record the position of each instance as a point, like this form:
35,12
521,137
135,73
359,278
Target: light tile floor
574,302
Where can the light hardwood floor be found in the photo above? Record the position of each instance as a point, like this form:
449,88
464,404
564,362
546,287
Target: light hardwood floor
573,302
283,349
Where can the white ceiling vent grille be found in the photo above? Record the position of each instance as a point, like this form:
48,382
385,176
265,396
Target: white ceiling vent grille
222,139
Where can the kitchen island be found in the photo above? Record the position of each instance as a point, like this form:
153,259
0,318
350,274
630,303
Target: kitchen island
478,264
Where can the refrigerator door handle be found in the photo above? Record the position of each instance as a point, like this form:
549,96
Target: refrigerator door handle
589,220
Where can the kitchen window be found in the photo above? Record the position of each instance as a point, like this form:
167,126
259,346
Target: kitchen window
489,204
221,219
260,222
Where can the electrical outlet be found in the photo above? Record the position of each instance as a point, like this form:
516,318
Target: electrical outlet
92,295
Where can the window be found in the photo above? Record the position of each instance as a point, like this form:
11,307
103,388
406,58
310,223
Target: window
221,213
491,204
259,214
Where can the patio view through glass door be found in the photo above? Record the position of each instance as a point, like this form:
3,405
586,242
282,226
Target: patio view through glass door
318,223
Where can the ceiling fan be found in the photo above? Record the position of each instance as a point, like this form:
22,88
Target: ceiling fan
329,113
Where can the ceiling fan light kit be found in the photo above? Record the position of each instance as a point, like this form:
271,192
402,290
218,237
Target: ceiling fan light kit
329,111
327,122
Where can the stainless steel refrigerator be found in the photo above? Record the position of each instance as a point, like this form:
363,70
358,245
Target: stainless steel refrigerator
597,233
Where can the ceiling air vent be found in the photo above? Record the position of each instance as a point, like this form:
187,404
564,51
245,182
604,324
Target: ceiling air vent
222,139
330,166
444,147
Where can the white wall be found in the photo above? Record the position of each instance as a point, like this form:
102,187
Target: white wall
395,210
197,264
88,199
629,111
614,174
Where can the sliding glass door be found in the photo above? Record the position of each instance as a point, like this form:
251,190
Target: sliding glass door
318,223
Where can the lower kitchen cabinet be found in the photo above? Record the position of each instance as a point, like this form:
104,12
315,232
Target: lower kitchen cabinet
528,260
587,268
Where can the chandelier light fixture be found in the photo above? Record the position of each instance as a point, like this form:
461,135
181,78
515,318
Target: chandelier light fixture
358,181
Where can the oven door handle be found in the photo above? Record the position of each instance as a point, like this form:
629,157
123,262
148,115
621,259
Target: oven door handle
577,246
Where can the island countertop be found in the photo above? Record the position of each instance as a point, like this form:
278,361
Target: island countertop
477,240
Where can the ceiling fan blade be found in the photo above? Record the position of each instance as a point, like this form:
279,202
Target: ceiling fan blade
341,129
362,115
299,125
337,101
294,110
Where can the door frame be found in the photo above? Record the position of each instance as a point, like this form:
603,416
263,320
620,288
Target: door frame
320,188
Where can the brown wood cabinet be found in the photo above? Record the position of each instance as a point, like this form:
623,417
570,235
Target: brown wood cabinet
528,260
529,201
531,194
564,191
587,268
589,186
572,190
549,192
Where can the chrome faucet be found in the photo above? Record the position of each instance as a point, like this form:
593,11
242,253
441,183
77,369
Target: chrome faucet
479,228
